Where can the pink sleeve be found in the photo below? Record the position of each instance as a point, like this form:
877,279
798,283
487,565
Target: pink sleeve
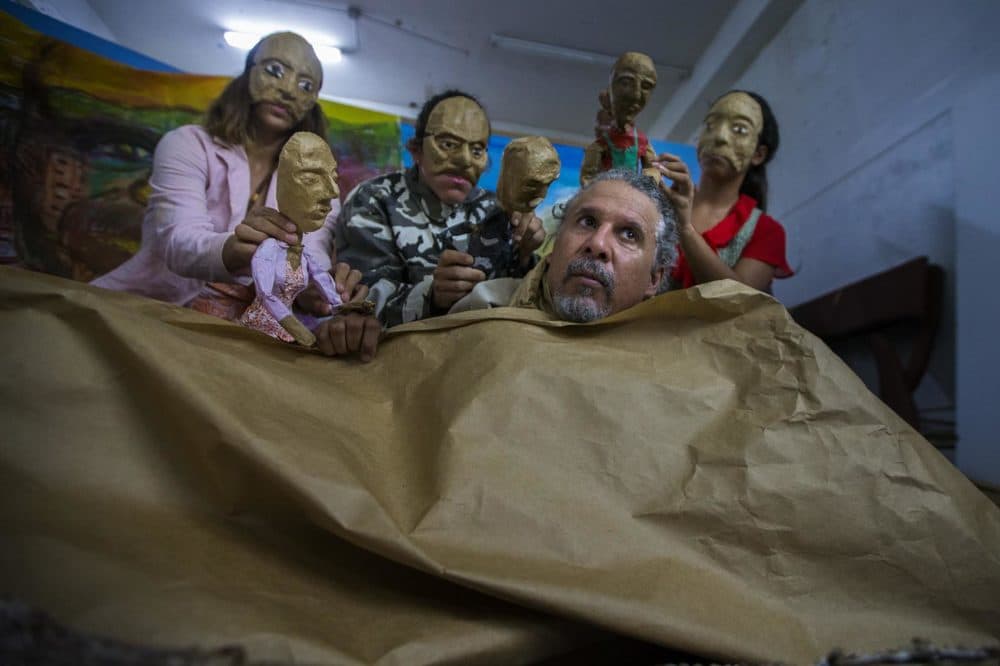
268,261
188,239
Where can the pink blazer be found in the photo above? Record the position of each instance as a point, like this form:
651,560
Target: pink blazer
200,188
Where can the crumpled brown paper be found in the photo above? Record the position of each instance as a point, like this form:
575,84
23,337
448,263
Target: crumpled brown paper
697,471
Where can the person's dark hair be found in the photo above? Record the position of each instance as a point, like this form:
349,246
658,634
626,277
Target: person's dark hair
666,229
420,126
755,182
229,115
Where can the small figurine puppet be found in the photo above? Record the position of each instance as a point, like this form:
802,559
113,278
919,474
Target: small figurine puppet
619,143
307,182
529,165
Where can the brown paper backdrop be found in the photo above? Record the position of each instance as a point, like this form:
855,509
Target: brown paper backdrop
697,472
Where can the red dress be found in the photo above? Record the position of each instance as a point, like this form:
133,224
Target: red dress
767,243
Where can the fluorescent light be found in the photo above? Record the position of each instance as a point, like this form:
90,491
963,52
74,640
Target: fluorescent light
241,40
567,53
328,53
246,40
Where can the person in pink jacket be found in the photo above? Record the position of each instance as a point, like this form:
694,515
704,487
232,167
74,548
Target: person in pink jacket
213,197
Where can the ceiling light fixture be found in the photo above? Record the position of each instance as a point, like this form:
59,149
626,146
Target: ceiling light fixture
567,53
241,40
325,51
246,40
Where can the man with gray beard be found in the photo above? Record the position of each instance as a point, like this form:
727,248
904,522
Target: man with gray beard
616,243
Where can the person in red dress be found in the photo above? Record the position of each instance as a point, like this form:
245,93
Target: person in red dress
726,233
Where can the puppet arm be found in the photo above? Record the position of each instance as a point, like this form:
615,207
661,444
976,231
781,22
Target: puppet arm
648,168
591,165
321,278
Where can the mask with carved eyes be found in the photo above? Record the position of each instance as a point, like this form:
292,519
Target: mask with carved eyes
730,133
632,80
286,71
456,139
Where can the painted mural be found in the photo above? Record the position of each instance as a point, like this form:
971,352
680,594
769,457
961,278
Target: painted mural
78,133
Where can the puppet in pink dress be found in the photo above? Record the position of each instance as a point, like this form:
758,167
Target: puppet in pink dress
307,182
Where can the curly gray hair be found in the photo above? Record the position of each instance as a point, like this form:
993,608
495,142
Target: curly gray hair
666,228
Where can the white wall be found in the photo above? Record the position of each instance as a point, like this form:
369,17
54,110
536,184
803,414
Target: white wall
864,91
977,147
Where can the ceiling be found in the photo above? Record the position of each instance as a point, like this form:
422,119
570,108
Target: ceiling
405,50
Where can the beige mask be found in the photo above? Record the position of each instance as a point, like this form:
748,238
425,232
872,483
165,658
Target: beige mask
286,71
529,166
730,133
632,80
307,181
456,139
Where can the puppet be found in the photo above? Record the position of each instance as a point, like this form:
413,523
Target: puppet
619,143
307,182
529,166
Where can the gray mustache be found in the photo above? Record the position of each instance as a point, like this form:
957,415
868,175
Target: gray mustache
591,268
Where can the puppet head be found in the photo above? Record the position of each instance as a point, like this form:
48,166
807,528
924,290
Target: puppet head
632,80
529,166
307,181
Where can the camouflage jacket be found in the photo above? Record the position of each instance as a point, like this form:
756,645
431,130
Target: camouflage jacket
393,229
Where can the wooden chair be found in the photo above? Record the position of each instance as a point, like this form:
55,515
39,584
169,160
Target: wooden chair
910,293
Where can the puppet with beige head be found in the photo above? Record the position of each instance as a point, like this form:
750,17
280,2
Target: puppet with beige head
307,182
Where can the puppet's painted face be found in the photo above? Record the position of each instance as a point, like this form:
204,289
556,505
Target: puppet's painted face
632,80
529,166
285,79
307,181
453,153
728,140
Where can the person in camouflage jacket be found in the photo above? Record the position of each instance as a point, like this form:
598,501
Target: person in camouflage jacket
425,237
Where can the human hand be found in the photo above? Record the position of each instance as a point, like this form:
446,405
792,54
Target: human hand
298,330
453,278
352,333
681,189
346,280
259,225
528,234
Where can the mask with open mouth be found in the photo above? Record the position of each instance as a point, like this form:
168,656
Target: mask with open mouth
730,132
456,140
